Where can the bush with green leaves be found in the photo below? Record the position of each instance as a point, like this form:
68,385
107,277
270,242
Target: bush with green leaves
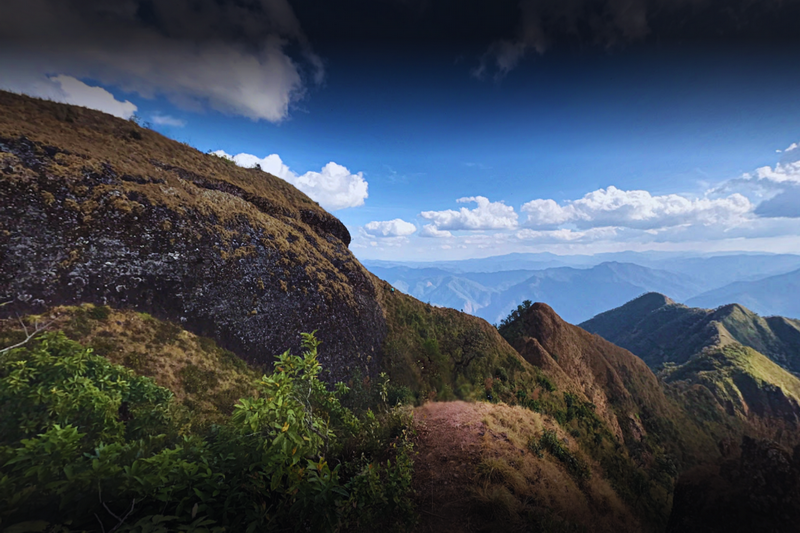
90,446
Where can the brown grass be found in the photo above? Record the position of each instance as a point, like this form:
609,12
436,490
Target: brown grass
152,171
476,473
203,376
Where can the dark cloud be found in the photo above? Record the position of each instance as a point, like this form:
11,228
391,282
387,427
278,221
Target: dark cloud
583,24
256,57
786,204
230,56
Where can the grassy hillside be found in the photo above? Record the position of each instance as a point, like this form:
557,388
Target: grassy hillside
441,353
204,377
747,384
722,365
495,467
660,331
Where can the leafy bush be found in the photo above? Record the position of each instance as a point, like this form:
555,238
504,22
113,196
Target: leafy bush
89,445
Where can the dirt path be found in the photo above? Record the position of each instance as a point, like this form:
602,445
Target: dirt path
449,443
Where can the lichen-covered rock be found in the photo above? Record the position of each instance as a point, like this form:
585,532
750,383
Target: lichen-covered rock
96,209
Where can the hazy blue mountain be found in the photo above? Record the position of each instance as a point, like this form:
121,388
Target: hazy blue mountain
515,261
492,286
578,294
774,295
468,291
710,270
717,271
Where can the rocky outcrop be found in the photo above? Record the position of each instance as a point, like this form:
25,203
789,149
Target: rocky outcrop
96,209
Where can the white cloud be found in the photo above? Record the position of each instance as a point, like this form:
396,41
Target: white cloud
334,187
567,235
430,230
167,120
782,173
487,215
637,209
390,228
69,90
774,188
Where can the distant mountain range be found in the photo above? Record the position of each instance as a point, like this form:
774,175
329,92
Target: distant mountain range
775,295
580,286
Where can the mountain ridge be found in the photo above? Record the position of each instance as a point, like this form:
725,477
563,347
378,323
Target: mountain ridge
673,333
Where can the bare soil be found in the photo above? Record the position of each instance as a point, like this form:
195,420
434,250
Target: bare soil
449,445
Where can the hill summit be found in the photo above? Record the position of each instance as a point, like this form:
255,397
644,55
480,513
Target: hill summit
97,209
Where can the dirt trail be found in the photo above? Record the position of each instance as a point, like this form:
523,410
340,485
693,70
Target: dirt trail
449,445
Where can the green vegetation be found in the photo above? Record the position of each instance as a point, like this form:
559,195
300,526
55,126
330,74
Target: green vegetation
87,445
661,331
203,376
511,327
442,354
575,465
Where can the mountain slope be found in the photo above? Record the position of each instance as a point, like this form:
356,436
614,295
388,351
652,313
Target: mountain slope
746,383
624,390
97,209
661,331
775,295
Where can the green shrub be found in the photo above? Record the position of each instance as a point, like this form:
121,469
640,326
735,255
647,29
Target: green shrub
99,312
83,441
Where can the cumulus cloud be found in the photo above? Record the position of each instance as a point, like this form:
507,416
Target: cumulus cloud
784,204
487,215
334,187
69,90
430,230
775,187
567,235
390,228
231,57
637,209
167,120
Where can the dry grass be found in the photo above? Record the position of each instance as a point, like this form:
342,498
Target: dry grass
203,376
510,488
151,171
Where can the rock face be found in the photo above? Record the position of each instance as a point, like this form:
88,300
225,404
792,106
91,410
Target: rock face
757,491
96,209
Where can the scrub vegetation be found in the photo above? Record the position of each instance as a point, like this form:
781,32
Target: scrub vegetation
88,445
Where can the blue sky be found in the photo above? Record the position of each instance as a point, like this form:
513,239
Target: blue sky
577,149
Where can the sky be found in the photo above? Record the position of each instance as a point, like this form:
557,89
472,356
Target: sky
449,130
